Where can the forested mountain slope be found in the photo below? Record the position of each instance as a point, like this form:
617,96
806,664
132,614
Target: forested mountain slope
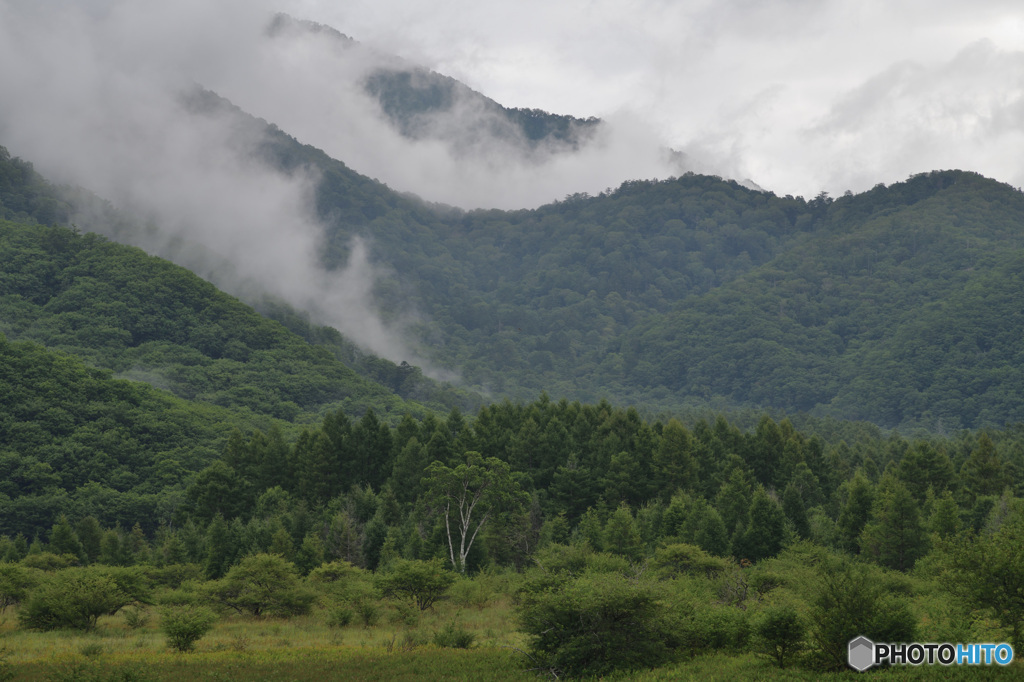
890,313
148,319
895,305
74,438
425,105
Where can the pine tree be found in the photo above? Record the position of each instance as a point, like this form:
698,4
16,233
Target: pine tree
90,534
983,473
765,529
855,513
796,512
621,536
220,548
894,536
674,464
63,539
407,472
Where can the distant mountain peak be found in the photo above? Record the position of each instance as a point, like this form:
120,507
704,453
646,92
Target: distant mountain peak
422,104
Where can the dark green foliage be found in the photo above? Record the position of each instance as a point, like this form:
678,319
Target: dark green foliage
422,582
764,530
597,624
852,601
16,582
77,597
263,584
987,571
454,636
894,536
123,310
780,633
185,625
681,559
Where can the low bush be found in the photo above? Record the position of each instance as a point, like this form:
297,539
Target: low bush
186,625
454,636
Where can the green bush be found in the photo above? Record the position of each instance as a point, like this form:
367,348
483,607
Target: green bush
136,618
708,626
340,616
186,625
76,597
368,611
851,601
264,584
597,624
780,634
454,636
423,582
16,582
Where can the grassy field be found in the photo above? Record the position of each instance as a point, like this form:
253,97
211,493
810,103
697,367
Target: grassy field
397,645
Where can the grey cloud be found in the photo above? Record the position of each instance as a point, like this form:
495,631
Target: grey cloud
90,106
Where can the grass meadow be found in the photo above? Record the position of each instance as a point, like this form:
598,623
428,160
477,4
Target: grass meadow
391,640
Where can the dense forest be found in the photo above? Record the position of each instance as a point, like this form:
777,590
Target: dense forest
167,447
696,293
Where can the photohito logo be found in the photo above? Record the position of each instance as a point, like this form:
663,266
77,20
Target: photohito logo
863,653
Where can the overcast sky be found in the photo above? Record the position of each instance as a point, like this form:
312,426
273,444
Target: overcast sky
797,95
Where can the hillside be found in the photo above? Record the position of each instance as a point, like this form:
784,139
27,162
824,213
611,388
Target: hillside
145,318
694,293
75,438
422,104
900,308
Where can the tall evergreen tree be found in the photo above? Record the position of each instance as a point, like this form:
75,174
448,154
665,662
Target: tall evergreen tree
765,528
675,466
855,513
894,536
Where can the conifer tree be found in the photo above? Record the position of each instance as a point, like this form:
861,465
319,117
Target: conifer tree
674,464
894,536
63,539
90,534
983,473
855,513
796,512
220,548
765,528
621,535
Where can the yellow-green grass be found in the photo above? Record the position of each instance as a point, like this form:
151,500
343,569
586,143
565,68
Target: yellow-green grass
397,646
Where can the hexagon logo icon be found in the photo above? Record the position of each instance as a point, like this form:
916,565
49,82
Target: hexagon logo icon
861,654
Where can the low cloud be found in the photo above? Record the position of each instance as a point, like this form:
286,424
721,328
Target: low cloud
89,104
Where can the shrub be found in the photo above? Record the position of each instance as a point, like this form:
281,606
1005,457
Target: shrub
707,626
16,582
852,601
186,625
423,582
368,612
263,584
780,634
135,618
596,624
76,598
681,559
454,636
340,616
341,581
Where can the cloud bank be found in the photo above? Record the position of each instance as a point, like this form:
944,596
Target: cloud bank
797,95
94,97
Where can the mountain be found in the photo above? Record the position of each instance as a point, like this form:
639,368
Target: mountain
694,293
422,104
145,318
